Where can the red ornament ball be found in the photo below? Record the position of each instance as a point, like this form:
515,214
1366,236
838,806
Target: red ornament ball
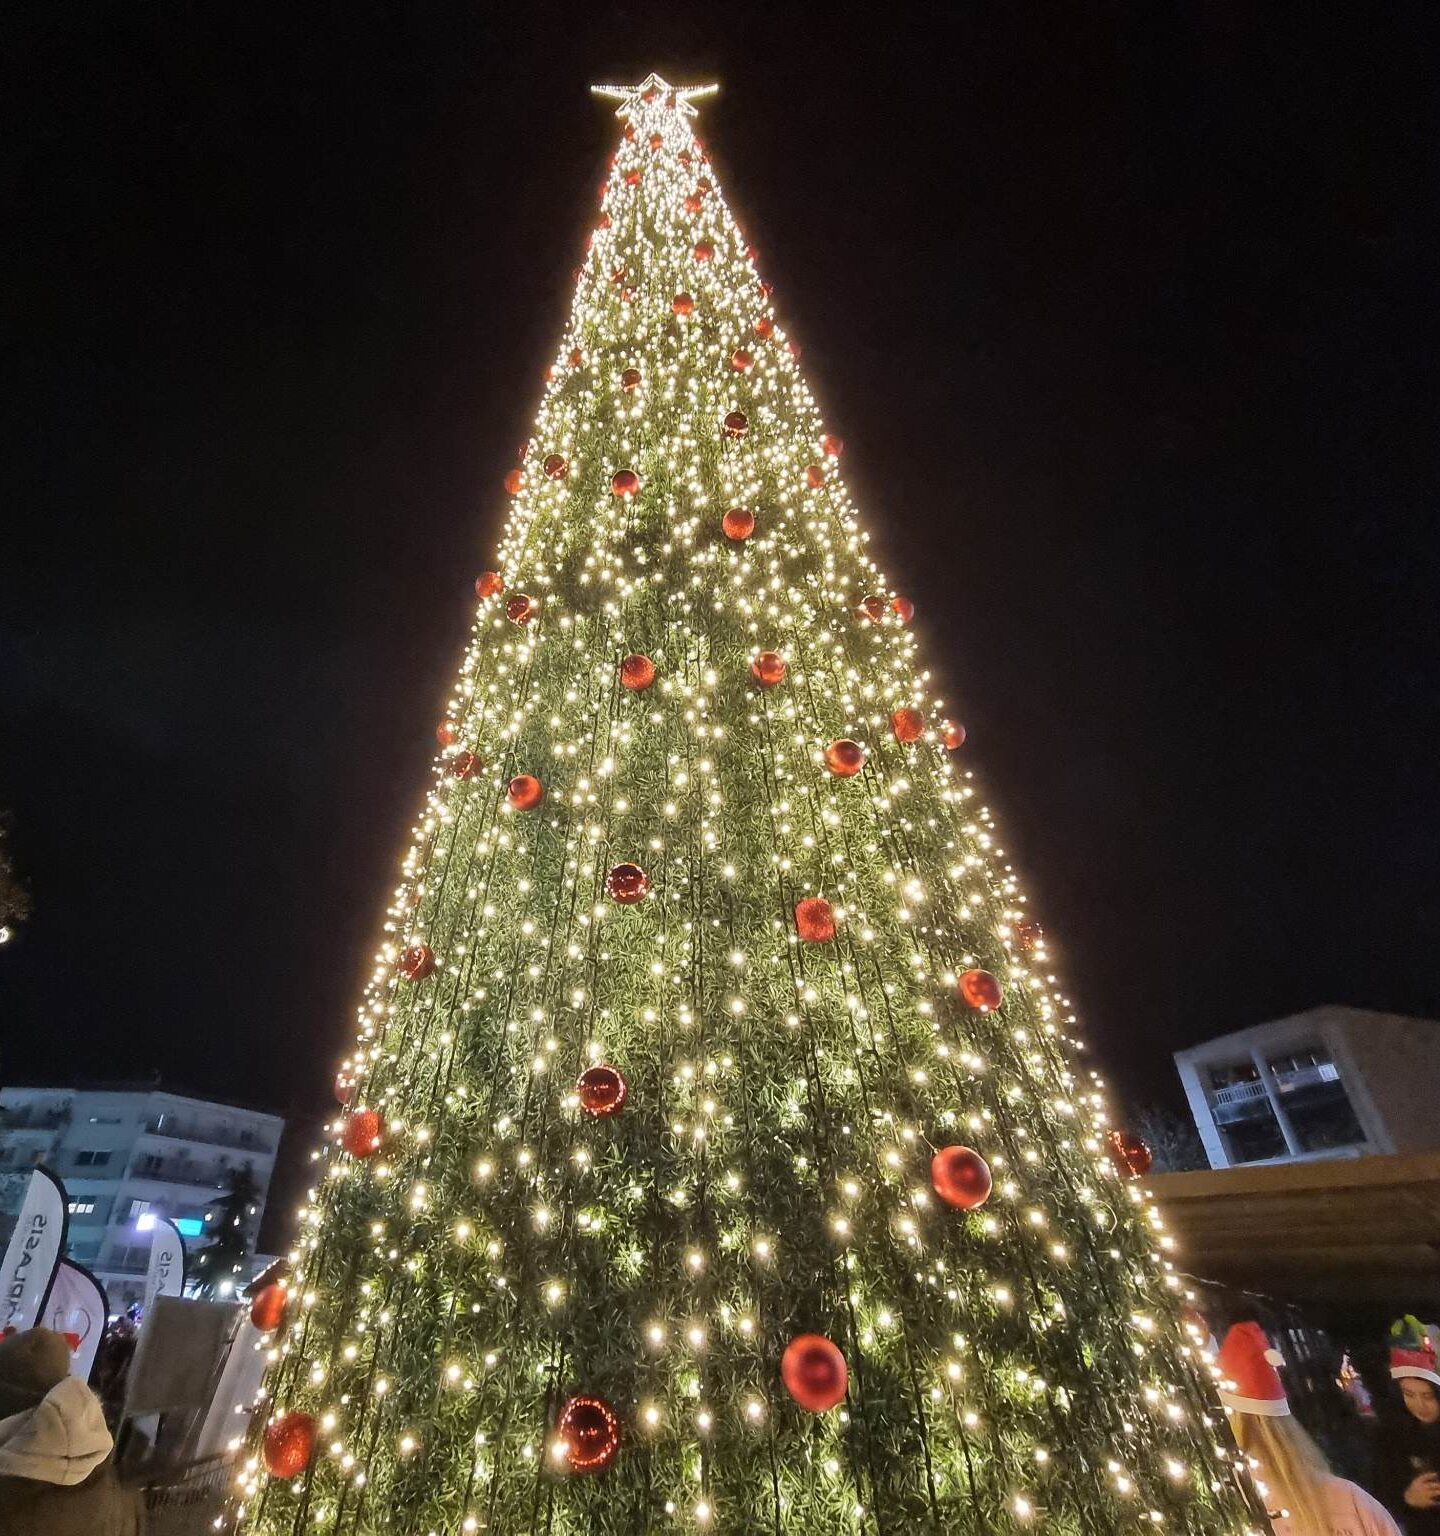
555,467
903,608
632,177
590,1433
764,327
794,347
602,1091
872,608
627,884
961,1177
908,724
764,289
844,758
832,446
267,1307
1131,1156
465,765
703,250
524,792
637,672
289,1444
814,476
628,135
656,140
362,1133
625,483
683,304
521,608
952,734
488,584
344,1088
416,962
738,523
693,204
630,380
737,424
815,920
980,990
447,733
576,355
768,668
515,482
741,361
814,1372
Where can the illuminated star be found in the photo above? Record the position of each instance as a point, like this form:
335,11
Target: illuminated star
653,88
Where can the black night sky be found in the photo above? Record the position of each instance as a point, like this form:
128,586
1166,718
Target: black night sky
1126,312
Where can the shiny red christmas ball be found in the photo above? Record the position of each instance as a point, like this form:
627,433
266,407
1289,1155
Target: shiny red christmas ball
465,765
1026,933
832,446
908,724
416,962
632,177
703,250
267,1306
625,483
844,758
961,1177
447,733
590,1433
764,326
515,482
488,583
344,1088
741,361
637,672
980,990
362,1133
1130,1155
521,608
903,608
872,608
764,289
289,1444
602,1091
952,734
737,424
738,523
794,348
656,140
524,792
694,204
682,304
768,668
813,1370
555,467
814,476
630,380
627,884
815,920
576,355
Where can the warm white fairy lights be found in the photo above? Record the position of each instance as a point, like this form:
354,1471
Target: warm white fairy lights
768,1174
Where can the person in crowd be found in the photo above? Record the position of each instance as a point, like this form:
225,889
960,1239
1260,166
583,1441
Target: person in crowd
1302,1495
1408,1469
57,1470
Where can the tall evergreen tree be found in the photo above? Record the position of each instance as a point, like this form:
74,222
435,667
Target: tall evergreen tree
713,1157
230,1227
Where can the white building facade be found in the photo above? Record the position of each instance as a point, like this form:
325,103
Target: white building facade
1331,1082
127,1153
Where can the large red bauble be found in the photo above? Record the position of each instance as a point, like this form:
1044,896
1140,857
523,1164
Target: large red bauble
630,380
815,920
764,326
447,733
952,734
1130,1155
627,884
555,467
637,672
694,204
980,990
521,608
814,1372
683,304
703,250
741,361
908,724
737,424
738,523
576,355
268,1306
602,1091
872,608
625,483
524,792
832,446
488,583
961,1177
289,1444
515,482
363,1131
903,608
590,1432
768,668
632,177
844,758
814,476
465,765
416,962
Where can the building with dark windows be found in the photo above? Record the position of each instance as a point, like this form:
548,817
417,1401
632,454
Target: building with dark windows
1332,1082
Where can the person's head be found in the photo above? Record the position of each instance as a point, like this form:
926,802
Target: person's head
30,1364
1421,1399
1289,1465
1414,1368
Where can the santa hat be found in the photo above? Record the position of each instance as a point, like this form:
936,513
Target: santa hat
1412,1351
1247,1364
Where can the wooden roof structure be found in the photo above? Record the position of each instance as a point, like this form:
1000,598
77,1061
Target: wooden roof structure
1352,1230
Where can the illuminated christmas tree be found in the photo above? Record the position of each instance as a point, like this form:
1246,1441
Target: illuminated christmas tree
711,1156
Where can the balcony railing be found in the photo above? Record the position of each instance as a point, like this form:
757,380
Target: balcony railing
210,1135
180,1170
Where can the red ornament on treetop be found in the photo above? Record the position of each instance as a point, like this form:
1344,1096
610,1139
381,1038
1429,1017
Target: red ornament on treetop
844,758
521,608
1131,1156
952,734
961,1177
590,1433
737,424
768,668
814,476
871,607
693,204
903,608
488,584
627,884
289,1444
637,672
815,920
980,990
656,140
683,304
267,1307
630,380
741,361
602,1091
813,1370
362,1132
625,483
703,250
524,792
832,446
416,962
738,523
515,482
908,725
764,327
555,467
447,733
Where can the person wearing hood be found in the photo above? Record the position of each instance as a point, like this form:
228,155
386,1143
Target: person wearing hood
1408,1470
1304,1497
57,1472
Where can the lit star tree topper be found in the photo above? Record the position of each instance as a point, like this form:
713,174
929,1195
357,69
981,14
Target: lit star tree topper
712,1155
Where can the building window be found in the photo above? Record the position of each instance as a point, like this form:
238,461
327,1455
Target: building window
91,1159
1308,1082
137,1209
81,1207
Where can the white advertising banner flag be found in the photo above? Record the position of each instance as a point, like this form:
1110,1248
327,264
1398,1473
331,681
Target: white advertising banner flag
33,1253
166,1275
77,1308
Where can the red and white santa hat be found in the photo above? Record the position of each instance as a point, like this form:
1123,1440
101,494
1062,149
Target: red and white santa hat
1412,1351
1250,1383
